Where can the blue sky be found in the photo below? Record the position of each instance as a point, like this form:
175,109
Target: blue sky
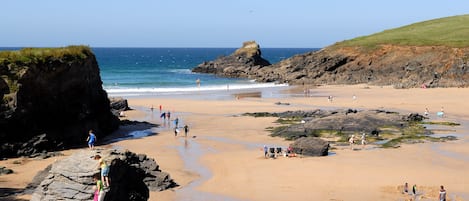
208,23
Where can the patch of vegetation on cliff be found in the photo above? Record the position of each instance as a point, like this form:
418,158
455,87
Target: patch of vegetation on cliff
449,31
14,63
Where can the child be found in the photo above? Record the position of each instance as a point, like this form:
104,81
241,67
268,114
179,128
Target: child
104,170
91,139
99,187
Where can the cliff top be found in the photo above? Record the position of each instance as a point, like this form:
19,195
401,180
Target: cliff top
249,49
34,55
448,31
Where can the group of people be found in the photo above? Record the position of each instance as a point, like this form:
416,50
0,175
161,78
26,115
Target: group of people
176,130
101,179
274,152
351,140
441,195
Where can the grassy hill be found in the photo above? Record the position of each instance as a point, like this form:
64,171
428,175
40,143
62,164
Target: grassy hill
449,31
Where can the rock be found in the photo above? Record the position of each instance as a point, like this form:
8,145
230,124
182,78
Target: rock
132,176
242,63
119,104
4,170
52,91
310,146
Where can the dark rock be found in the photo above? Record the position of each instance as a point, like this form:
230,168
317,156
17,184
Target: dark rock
310,146
413,117
132,176
59,96
4,170
119,104
244,62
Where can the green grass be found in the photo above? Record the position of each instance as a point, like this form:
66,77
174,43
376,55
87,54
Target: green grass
450,31
35,55
443,123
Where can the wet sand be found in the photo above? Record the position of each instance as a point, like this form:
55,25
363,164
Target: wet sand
221,159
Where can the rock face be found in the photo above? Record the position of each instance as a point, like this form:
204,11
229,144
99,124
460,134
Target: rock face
131,176
400,66
52,92
310,146
244,62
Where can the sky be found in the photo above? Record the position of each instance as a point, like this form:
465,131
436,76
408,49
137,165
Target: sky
208,23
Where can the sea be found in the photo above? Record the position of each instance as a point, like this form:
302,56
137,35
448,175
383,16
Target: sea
167,71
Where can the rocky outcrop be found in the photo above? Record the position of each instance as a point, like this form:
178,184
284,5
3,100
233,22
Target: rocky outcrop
400,66
310,146
244,62
132,176
118,105
55,93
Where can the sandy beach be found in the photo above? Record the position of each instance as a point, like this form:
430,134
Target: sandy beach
221,158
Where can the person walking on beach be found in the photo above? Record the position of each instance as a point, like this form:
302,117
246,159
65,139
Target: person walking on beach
176,131
186,130
351,141
176,122
363,139
91,139
442,196
265,151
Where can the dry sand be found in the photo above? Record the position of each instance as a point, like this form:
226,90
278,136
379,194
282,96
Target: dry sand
221,158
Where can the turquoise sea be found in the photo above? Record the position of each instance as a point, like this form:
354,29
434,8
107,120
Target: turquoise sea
150,71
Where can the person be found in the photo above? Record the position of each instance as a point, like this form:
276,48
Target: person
406,187
197,81
91,139
100,187
176,131
442,196
414,189
176,122
351,140
265,151
151,108
104,170
161,108
163,115
186,130
426,112
363,139
168,115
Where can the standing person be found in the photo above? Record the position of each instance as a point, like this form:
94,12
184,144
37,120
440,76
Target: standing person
163,116
100,187
442,195
426,112
186,130
176,122
176,131
363,139
414,189
406,187
197,81
151,109
168,115
104,170
265,151
351,141
91,139
161,108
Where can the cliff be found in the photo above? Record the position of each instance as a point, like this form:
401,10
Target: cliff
241,63
400,66
52,92
433,53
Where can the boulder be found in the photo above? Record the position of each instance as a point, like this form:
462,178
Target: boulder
310,146
132,176
119,104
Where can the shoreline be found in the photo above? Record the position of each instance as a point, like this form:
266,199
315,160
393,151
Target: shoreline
240,172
